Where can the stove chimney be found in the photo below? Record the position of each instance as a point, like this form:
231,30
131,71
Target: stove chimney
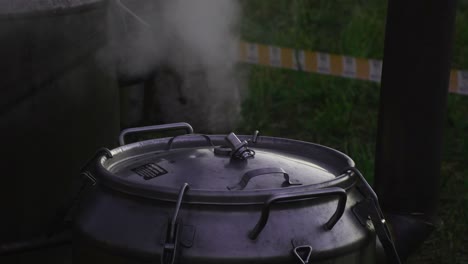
415,78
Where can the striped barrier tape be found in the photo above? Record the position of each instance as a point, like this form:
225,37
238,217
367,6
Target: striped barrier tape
319,62
330,64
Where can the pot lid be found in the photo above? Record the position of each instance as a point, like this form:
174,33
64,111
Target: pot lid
274,165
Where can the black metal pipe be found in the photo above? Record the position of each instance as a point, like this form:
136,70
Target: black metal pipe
415,78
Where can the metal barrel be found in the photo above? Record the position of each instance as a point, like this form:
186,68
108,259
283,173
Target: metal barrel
58,104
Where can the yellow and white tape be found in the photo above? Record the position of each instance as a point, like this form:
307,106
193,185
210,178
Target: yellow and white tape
329,64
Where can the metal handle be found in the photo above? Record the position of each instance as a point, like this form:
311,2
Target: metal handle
171,244
254,173
171,141
333,191
157,128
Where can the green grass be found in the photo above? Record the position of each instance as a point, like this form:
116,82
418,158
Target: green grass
342,113
331,111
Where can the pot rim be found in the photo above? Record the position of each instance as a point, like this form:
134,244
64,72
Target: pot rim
343,178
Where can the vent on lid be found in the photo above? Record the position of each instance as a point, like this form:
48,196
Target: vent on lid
149,171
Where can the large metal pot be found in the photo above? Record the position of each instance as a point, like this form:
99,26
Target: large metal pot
227,199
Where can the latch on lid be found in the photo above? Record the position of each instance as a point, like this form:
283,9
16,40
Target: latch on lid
239,148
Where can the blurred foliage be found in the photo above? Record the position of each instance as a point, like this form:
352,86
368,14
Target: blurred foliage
354,28
317,25
460,49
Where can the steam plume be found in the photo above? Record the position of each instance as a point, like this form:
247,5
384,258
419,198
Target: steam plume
196,39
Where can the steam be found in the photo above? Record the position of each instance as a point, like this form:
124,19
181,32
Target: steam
198,40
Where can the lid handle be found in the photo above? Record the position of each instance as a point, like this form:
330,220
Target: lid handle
254,173
333,191
157,128
171,141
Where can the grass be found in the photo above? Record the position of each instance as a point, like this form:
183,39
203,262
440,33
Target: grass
314,108
342,113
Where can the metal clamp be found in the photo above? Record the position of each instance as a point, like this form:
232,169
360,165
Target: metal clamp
333,191
239,148
158,128
371,208
88,181
87,169
170,248
254,173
